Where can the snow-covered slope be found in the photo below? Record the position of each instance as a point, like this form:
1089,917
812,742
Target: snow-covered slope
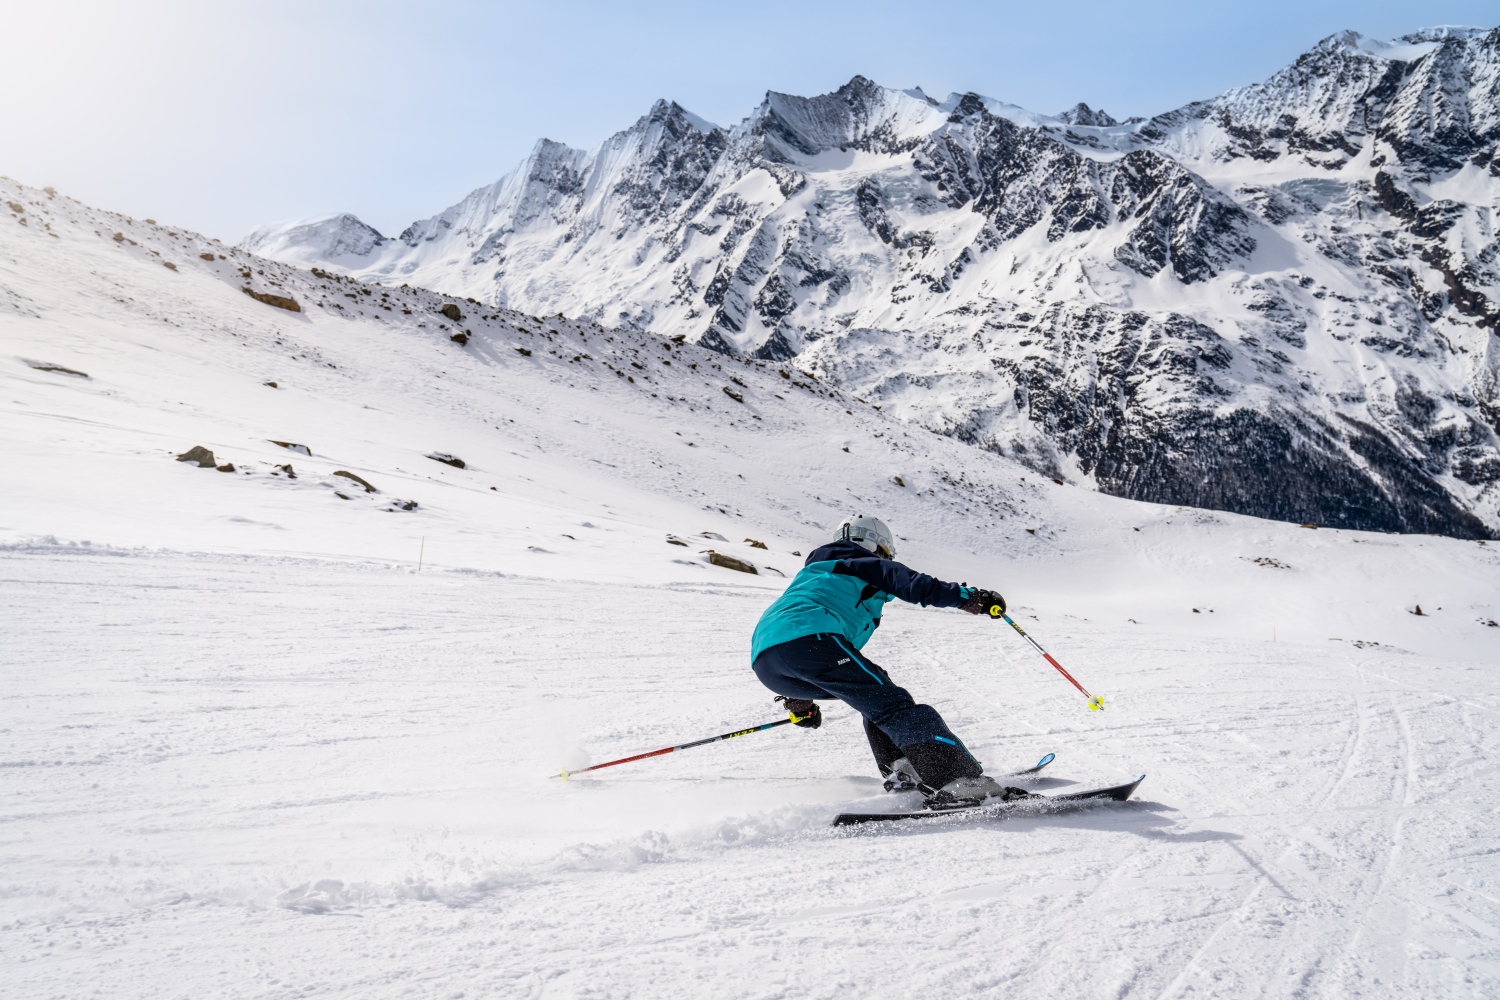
1282,301
252,750
548,415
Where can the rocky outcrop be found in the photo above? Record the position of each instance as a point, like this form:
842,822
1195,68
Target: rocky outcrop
353,478
730,562
279,301
44,366
200,456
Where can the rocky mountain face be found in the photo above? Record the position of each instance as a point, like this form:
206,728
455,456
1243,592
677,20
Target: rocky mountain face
1284,301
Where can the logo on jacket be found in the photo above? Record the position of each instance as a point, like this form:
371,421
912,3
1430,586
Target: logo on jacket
842,662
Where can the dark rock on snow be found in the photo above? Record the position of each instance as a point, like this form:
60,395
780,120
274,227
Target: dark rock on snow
352,476
43,366
730,562
279,301
200,456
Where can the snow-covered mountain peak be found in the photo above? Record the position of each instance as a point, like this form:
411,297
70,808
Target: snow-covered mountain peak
1432,95
1442,32
1082,114
1410,48
674,119
1282,300
670,113
860,113
339,239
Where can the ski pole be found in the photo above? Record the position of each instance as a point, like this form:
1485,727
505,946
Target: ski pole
791,718
1096,702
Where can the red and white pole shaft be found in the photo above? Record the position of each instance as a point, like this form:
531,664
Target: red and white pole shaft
792,717
1096,702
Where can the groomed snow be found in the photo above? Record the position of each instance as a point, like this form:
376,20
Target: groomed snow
251,750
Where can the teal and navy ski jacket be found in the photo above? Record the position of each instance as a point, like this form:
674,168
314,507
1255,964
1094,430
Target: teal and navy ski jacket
842,590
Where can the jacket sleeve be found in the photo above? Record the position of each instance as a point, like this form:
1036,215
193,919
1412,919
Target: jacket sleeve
902,581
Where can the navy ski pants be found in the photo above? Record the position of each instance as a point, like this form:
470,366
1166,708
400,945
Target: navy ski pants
827,665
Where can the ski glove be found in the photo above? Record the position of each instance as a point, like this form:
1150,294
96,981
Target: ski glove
809,716
984,602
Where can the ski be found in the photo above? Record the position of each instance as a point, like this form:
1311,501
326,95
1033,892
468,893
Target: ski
1118,793
1032,770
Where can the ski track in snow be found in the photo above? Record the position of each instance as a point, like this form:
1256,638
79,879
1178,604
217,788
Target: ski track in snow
247,749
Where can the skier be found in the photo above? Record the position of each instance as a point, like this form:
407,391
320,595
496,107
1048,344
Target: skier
807,646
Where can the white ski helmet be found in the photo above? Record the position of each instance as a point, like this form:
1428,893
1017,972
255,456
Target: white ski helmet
869,532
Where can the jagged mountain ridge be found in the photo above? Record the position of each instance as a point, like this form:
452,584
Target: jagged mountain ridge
1282,301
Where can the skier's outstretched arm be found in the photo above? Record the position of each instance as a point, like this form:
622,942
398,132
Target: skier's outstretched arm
902,581
906,583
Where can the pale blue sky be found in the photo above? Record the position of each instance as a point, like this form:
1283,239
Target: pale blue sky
220,117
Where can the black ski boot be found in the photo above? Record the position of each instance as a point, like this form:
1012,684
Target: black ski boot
898,772
900,776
